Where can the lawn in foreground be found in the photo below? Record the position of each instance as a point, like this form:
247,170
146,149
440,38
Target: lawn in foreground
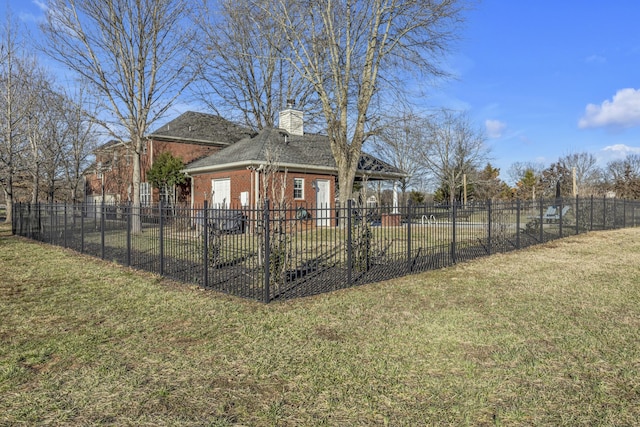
547,335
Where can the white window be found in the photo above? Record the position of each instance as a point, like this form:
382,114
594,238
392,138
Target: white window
145,194
166,193
298,188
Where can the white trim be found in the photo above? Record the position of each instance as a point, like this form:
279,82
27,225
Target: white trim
292,167
301,180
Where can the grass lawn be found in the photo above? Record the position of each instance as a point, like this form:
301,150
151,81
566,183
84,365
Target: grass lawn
545,336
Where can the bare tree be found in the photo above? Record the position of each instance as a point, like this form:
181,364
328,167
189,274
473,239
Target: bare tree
397,143
79,139
14,84
43,157
134,54
623,176
587,173
243,72
454,148
346,50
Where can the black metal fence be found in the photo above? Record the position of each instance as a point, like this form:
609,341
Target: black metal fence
270,253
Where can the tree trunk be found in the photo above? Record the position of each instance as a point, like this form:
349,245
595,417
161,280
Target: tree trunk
35,189
136,223
8,199
346,174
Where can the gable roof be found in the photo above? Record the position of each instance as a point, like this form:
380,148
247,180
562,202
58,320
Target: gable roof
297,152
108,146
201,128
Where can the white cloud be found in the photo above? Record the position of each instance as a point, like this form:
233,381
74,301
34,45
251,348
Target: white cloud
495,128
596,59
621,112
31,16
615,152
41,5
622,149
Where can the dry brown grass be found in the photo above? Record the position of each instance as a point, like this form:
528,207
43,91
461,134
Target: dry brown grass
544,336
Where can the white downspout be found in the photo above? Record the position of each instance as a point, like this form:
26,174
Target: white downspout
395,197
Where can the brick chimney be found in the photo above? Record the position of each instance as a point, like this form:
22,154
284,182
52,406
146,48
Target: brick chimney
291,119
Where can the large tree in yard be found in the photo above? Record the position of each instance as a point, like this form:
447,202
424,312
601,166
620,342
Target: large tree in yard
134,54
349,49
14,83
244,75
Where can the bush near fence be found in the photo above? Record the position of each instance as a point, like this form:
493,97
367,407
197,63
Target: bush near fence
268,254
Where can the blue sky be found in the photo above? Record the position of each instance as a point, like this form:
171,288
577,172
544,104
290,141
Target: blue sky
543,78
548,78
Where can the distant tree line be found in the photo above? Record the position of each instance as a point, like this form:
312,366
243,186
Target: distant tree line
447,160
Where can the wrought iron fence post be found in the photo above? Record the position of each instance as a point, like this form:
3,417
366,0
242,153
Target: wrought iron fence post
409,216
624,213
560,215
161,212
64,237
349,242
205,244
541,220
267,252
25,224
128,213
453,233
577,214
489,230
13,219
102,223
40,228
51,222
518,224
591,215
604,213
83,208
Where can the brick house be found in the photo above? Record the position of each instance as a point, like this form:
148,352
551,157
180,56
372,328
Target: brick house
190,136
231,166
285,165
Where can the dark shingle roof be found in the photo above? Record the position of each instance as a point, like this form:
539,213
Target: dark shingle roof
309,150
202,127
107,146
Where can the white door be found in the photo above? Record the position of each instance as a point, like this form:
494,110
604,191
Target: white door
323,203
220,193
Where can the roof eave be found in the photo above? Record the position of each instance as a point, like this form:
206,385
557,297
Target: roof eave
170,138
292,167
257,163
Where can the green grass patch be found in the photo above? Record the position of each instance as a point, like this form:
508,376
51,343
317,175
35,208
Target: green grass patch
544,336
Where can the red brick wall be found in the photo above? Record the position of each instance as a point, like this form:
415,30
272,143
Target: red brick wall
185,151
240,180
118,179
